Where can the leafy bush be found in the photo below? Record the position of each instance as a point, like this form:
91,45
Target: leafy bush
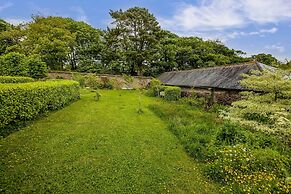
79,78
13,64
106,83
25,101
172,93
15,79
16,64
267,110
244,170
36,67
92,81
230,134
155,87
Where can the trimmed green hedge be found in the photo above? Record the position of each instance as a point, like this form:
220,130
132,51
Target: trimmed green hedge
172,93
16,79
21,102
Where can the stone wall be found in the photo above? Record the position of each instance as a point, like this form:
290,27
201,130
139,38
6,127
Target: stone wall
137,82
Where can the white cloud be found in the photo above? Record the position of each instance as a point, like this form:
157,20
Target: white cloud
5,6
16,21
267,11
261,32
276,47
81,15
217,15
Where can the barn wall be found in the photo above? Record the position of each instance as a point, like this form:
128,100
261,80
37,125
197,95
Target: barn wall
225,97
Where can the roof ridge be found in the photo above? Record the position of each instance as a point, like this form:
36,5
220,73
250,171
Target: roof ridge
223,66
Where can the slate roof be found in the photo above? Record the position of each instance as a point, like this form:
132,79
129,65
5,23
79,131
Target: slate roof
222,77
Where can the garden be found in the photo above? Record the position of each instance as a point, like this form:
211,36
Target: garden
109,126
88,135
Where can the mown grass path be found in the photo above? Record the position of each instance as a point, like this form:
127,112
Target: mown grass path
104,147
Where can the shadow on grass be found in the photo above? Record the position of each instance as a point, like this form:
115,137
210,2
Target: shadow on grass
7,130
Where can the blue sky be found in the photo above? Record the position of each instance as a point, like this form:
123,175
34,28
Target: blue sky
253,26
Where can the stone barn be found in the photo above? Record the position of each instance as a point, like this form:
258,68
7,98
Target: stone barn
220,84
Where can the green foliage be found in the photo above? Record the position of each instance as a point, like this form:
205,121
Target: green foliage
106,83
36,67
134,45
97,95
15,79
230,134
132,42
249,171
195,128
16,64
155,87
172,93
266,59
27,100
268,109
194,102
79,78
241,160
4,26
92,81
13,64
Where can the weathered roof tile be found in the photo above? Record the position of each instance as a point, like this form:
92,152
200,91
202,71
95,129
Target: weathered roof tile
223,77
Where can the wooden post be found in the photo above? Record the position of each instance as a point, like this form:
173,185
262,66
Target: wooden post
212,97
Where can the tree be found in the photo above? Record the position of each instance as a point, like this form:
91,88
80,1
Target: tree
4,26
85,55
132,40
267,106
10,38
266,59
49,38
63,42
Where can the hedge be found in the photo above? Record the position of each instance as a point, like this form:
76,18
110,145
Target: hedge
25,101
16,79
172,93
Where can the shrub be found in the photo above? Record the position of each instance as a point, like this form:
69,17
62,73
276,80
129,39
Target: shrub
79,78
268,110
155,87
20,102
106,83
13,64
36,67
244,170
230,134
92,81
16,79
172,93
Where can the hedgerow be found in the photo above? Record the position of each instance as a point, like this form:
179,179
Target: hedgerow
15,79
21,102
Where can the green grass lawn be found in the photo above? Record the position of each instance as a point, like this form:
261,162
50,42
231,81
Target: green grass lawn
99,146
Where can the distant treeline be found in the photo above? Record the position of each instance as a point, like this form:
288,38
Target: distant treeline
134,44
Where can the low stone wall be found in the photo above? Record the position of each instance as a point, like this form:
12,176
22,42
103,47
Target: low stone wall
225,97
137,82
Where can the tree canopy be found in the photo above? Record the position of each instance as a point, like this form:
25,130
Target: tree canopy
133,44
